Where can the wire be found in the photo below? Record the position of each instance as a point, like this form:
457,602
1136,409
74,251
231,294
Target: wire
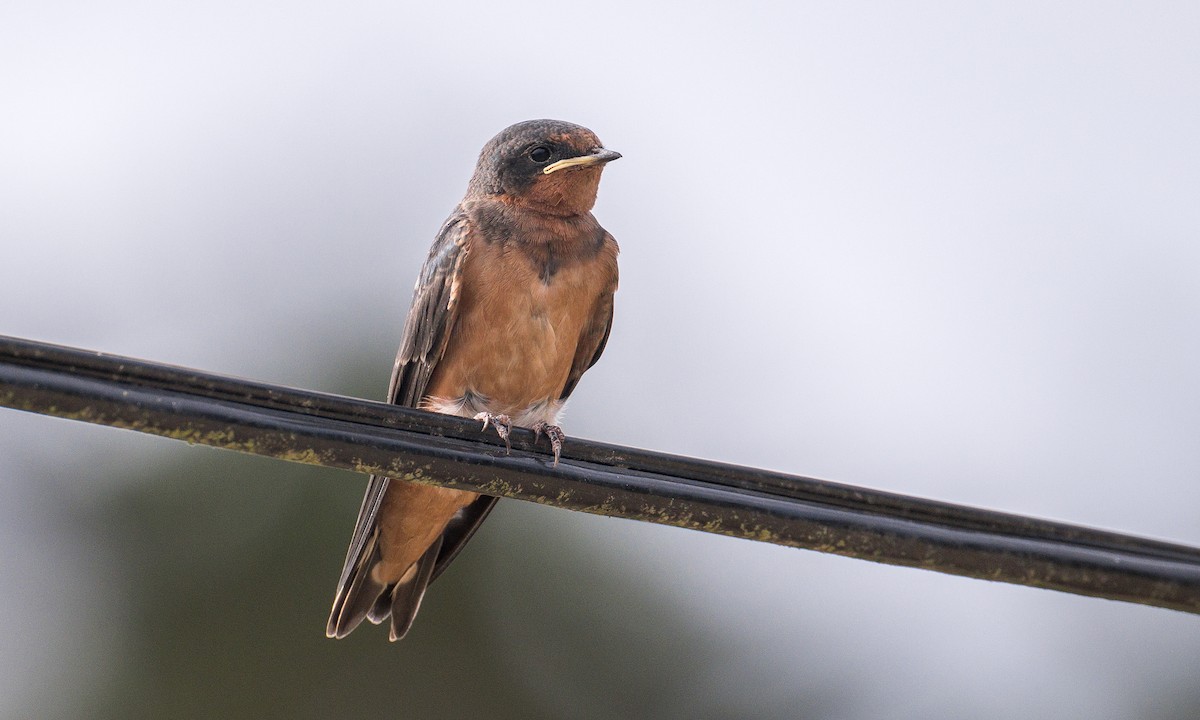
372,437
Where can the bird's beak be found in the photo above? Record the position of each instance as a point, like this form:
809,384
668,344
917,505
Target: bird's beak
598,156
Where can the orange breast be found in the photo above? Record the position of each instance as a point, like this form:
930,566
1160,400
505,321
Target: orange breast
516,336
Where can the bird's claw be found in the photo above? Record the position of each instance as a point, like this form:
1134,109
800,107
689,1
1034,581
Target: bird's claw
503,425
555,435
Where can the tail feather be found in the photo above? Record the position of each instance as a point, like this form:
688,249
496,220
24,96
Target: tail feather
356,598
407,594
364,598
363,595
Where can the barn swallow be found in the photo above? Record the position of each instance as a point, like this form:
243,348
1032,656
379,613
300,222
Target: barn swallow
513,304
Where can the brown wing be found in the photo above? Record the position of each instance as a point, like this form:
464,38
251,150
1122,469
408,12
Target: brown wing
595,333
426,331
434,309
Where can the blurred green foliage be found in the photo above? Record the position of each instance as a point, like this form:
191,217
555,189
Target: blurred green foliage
229,565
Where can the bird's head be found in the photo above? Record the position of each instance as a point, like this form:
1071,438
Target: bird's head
549,166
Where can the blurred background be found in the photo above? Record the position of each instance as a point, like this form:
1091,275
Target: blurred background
936,248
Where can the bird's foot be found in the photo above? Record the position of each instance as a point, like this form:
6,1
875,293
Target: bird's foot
554,433
502,423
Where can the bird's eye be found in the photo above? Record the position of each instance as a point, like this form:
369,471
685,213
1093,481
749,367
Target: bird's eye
540,154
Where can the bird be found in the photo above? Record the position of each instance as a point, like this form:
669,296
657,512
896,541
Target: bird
512,306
